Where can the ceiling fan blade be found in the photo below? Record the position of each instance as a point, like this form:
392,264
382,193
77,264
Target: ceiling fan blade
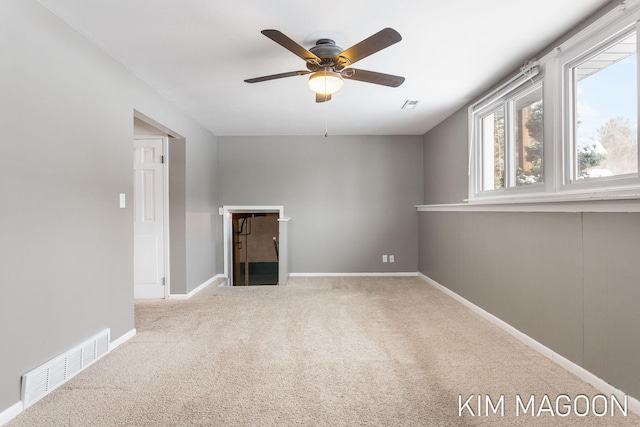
372,77
277,76
291,45
322,98
371,45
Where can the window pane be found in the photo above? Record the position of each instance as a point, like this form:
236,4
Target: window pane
606,124
529,136
493,149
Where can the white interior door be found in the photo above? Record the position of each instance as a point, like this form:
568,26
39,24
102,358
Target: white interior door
148,199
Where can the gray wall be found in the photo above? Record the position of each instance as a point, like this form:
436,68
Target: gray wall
568,280
66,114
177,217
445,155
204,225
350,198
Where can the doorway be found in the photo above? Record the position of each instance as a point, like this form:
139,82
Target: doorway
236,223
255,248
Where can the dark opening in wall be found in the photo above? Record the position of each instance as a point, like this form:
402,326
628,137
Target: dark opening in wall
255,254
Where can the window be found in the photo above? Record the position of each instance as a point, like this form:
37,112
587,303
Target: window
567,127
509,139
604,120
493,149
529,137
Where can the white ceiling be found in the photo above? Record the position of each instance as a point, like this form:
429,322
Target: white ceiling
198,52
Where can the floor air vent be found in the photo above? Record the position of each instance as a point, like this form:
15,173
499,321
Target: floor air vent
45,378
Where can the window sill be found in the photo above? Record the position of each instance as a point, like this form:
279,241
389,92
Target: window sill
627,203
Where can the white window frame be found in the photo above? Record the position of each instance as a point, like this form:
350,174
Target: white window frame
566,61
505,97
558,121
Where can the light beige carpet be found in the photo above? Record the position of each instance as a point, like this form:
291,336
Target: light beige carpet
318,352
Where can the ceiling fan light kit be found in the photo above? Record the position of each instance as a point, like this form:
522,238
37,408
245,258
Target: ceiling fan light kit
327,63
325,82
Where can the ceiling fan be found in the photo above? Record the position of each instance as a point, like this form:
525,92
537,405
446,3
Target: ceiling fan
328,64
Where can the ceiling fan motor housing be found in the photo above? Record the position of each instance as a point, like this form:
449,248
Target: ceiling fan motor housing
327,51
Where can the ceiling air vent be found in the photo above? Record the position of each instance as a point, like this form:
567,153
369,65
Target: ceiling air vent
409,105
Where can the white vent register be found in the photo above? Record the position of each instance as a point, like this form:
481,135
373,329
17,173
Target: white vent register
45,378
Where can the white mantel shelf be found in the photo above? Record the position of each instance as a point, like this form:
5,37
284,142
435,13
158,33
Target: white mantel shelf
610,205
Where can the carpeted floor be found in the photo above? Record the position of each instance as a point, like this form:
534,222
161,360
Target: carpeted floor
332,351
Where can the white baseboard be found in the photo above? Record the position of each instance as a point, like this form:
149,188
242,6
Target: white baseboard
198,289
577,370
390,274
10,413
122,339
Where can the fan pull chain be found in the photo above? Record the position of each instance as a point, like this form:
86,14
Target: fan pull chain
326,121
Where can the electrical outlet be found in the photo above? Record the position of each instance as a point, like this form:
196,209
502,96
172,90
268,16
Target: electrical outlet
391,258
384,258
